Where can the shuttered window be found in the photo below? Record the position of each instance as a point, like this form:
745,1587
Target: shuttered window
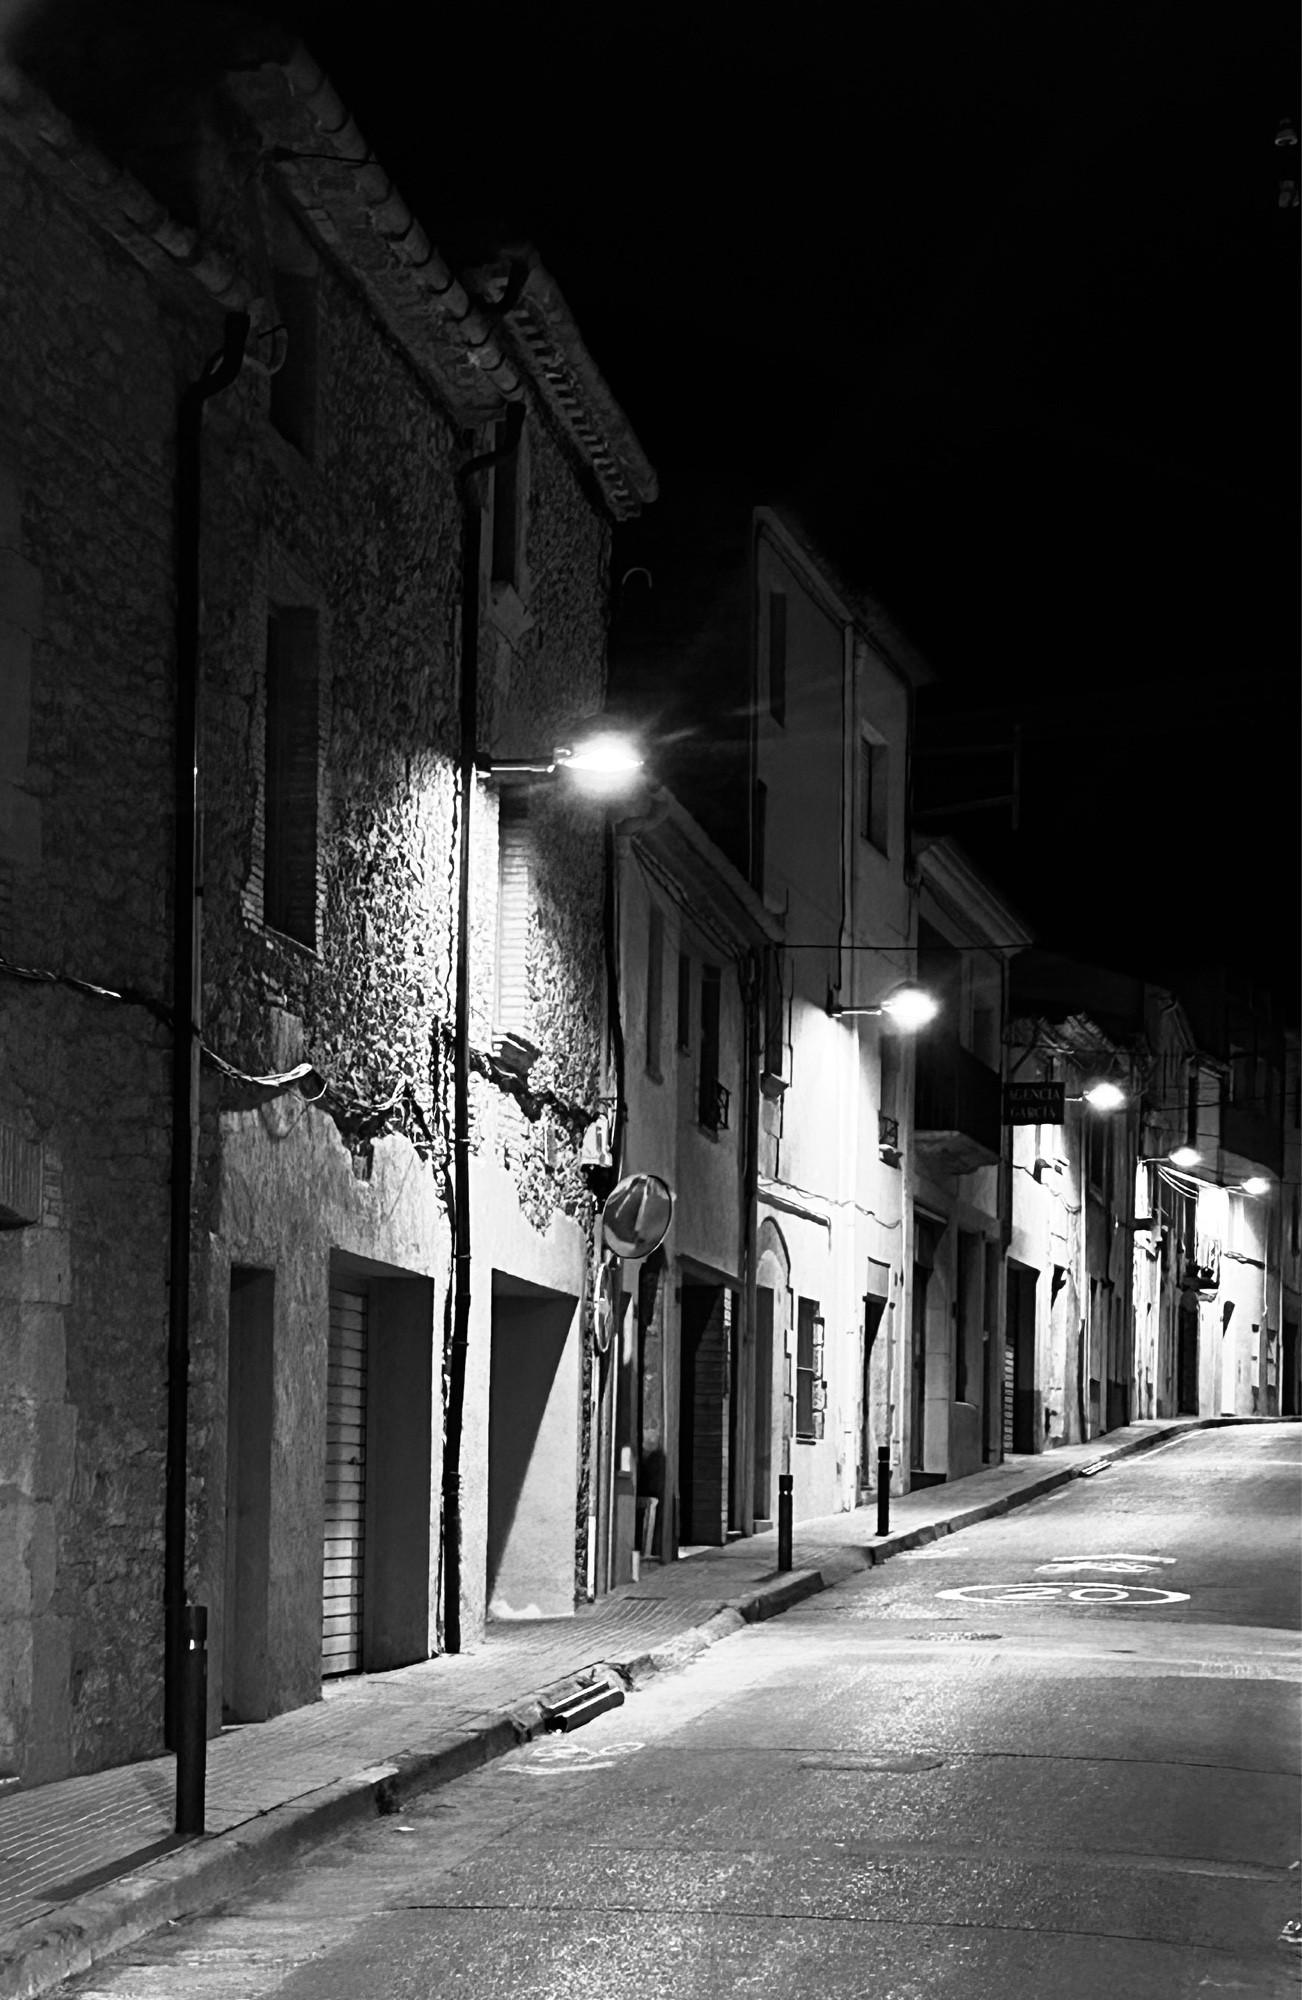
809,1370
291,775
514,908
345,1485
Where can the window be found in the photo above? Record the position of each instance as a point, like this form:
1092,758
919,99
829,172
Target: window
778,655
655,961
809,1371
293,386
775,1038
713,1096
684,1001
1097,1133
514,908
291,776
874,793
888,1105
506,508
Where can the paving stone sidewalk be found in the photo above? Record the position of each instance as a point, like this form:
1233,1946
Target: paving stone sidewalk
88,1863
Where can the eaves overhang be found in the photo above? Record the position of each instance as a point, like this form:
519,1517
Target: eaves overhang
481,353
845,601
699,876
973,904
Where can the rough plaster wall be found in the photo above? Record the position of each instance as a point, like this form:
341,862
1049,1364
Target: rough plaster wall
86,435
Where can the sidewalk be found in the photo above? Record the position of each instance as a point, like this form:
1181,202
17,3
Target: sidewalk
88,1864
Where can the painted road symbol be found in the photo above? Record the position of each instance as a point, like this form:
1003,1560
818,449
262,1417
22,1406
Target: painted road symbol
1118,1565
554,1759
1108,1594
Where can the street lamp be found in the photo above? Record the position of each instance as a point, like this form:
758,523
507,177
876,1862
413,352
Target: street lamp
1105,1096
1182,1156
601,760
908,1008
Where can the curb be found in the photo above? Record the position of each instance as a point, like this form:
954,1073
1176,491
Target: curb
195,1879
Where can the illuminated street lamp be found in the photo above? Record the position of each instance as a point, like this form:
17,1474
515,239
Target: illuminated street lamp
908,1007
1182,1156
1255,1184
1105,1096
600,760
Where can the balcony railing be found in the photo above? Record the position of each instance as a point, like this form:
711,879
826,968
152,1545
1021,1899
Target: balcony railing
714,1106
957,1109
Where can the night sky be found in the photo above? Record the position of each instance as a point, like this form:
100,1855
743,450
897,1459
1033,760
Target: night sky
1003,299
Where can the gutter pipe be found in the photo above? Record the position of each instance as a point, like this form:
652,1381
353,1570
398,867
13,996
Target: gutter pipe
219,373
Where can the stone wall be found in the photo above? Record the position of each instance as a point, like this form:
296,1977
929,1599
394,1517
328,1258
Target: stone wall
87,412
367,536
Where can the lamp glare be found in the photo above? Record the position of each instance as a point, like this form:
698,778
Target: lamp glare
1105,1096
1185,1156
910,1007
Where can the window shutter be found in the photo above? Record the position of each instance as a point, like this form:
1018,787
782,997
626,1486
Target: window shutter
514,906
291,775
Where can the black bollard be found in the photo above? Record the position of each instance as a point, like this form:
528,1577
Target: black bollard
784,1520
883,1489
192,1721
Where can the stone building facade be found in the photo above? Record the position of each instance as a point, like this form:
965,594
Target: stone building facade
337,486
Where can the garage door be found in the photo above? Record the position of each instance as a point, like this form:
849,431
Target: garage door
345,1485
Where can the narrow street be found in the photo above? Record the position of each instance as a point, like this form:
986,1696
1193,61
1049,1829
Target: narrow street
1056,1754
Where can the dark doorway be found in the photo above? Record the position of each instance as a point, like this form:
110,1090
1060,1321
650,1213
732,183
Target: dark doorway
655,1528
1019,1336
250,1408
873,1311
763,1484
1186,1360
926,1239
918,1383
1288,1385
705,1364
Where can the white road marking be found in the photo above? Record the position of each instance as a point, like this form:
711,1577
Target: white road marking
1118,1565
1106,1594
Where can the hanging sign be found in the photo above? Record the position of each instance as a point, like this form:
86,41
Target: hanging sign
1034,1103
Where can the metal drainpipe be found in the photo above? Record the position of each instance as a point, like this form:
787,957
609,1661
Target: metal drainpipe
219,373
469,704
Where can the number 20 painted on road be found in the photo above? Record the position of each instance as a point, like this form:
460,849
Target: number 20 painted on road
1108,1594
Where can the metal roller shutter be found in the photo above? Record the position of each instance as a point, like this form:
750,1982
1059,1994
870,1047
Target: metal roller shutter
345,1486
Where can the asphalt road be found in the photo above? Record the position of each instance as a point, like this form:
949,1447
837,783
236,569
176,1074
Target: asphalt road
1056,1755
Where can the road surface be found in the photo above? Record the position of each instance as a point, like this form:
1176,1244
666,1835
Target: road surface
1054,1757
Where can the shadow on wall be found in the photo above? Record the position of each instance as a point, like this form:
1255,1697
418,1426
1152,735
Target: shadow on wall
532,1448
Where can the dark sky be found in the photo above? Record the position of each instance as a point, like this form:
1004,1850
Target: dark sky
1003,296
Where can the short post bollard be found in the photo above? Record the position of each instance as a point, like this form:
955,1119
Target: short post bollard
192,1730
883,1489
784,1520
